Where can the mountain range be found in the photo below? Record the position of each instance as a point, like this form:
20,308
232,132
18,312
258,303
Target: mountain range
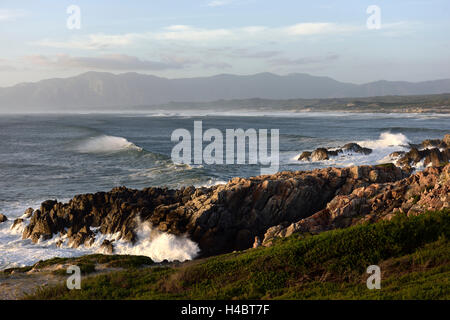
102,91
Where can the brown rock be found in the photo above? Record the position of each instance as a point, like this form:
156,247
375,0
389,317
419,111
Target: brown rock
319,154
3,218
306,155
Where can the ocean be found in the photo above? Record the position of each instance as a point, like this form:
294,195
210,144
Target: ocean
49,156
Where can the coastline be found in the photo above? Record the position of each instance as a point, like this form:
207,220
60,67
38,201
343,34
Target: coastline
242,214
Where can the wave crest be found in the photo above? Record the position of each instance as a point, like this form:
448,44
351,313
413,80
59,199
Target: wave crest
387,140
106,144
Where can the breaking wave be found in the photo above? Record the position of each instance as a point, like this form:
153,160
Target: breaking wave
151,242
106,144
387,140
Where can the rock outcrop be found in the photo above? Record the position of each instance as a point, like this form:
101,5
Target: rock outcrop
433,152
426,190
325,154
3,218
220,218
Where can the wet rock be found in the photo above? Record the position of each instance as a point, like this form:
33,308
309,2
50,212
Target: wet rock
28,213
220,219
354,147
324,154
16,223
397,154
446,140
433,152
306,155
107,246
3,218
435,157
319,154
433,143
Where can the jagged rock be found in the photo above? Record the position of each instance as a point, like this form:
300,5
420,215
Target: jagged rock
320,154
354,147
306,155
446,140
107,246
435,157
434,151
28,213
426,190
433,143
257,242
324,154
16,223
220,219
397,154
3,218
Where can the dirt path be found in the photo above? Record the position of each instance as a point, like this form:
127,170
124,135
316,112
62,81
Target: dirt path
16,286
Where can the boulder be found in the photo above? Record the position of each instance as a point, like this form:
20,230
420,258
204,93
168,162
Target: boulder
446,140
28,213
3,218
319,154
16,223
354,147
107,246
433,143
306,155
435,157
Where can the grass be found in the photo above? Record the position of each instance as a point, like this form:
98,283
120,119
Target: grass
412,252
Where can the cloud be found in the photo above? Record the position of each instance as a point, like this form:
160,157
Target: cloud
314,28
186,33
219,3
91,42
104,62
304,61
252,54
10,14
121,62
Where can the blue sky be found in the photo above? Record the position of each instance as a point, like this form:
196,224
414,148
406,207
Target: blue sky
205,37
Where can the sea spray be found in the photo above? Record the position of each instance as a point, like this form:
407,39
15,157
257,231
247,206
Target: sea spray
387,140
151,242
158,245
105,144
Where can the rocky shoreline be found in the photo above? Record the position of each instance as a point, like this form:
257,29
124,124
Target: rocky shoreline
245,213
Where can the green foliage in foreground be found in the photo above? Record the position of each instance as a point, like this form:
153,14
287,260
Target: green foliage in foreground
413,254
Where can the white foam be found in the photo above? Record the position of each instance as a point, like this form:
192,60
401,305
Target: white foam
381,148
159,246
386,140
105,144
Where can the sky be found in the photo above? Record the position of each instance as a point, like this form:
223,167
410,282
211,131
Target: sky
348,40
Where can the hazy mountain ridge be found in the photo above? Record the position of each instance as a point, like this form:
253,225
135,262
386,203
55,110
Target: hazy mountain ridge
107,90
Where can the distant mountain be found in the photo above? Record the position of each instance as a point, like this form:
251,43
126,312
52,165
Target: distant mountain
101,90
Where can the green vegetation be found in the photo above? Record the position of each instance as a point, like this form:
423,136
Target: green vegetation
412,252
